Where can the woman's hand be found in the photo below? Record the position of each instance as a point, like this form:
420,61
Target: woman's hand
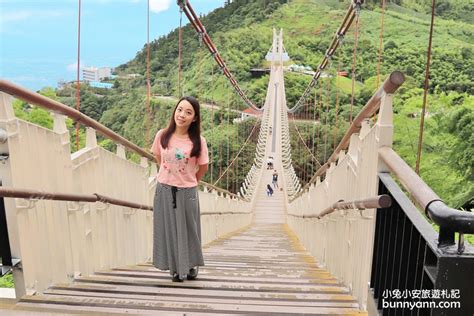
201,171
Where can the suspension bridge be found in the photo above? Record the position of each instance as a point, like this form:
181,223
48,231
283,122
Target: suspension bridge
76,229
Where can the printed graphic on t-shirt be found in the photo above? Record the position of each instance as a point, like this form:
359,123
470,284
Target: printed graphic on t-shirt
175,160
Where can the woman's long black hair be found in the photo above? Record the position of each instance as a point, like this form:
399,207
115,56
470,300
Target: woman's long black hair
194,131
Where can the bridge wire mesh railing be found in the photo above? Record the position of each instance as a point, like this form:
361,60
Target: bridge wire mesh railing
251,180
338,40
369,109
292,181
233,138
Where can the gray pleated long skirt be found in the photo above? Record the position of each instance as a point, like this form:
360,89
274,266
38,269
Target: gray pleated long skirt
176,231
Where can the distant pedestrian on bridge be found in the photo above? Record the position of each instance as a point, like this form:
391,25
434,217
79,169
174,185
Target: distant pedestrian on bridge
269,190
270,162
275,179
182,154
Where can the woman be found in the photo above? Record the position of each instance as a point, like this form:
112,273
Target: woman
182,154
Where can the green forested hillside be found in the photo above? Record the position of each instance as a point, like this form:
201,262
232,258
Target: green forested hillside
462,10
242,32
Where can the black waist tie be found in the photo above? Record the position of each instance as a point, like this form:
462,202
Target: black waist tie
173,193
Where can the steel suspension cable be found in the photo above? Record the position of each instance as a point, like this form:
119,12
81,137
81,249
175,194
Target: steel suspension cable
337,107
148,81
336,42
303,141
381,43
380,52
212,128
354,63
308,130
200,79
228,139
304,126
308,118
236,175
231,152
300,154
180,48
238,153
425,92
326,129
320,105
314,126
220,147
78,82
198,26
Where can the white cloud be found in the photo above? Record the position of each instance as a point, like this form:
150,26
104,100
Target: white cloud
158,6
9,19
73,66
14,16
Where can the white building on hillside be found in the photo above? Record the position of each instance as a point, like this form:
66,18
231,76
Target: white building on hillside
96,74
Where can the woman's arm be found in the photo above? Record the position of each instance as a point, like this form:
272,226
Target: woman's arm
201,172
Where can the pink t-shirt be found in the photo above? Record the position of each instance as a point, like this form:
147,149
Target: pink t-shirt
177,168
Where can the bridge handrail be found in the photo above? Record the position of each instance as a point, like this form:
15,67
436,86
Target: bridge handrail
449,220
56,196
220,190
94,197
391,84
224,213
57,107
381,201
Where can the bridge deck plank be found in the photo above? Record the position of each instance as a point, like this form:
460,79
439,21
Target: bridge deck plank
262,270
149,306
170,291
206,299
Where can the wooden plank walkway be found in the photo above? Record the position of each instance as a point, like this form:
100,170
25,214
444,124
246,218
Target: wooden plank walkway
261,270
269,210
